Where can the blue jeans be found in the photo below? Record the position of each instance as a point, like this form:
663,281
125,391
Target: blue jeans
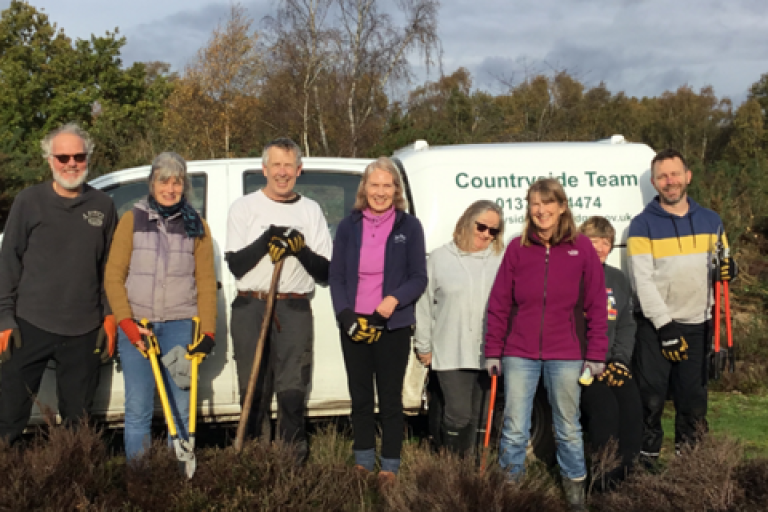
561,378
140,385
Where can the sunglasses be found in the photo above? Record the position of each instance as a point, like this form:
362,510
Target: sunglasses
482,228
79,158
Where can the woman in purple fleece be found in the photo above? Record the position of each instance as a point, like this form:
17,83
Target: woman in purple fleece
378,271
549,284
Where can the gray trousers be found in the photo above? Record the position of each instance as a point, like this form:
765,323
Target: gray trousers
286,365
462,395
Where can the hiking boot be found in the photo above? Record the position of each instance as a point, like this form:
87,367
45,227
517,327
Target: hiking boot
361,471
574,494
387,480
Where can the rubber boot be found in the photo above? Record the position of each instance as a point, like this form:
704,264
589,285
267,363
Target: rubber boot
452,438
574,494
467,436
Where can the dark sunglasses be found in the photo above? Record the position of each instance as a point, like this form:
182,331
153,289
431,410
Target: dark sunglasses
482,227
79,158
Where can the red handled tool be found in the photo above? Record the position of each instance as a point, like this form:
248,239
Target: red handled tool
489,423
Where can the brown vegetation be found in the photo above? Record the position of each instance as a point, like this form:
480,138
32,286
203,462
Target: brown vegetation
61,469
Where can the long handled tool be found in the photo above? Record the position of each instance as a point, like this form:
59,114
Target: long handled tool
265,322
195,360
184,453
731,352
718,356
489,423
730,357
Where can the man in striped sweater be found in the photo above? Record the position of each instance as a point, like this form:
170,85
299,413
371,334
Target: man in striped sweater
671,248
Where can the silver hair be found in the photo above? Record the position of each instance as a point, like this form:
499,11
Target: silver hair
168,165
72,128
285,144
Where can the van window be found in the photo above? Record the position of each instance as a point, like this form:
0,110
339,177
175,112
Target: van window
125,195
333,191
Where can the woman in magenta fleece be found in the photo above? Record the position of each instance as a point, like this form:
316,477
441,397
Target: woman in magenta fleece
378,271
549,285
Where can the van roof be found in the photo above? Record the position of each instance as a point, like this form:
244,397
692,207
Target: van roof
421,146
350,165
420,155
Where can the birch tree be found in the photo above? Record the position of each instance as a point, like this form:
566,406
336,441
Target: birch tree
218,89
374,51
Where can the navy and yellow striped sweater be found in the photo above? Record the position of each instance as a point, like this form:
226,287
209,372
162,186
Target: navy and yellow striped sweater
670,260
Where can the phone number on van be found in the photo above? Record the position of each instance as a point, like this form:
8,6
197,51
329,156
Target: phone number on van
518,203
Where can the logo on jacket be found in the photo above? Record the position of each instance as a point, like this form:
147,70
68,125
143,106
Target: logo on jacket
612,311
94,218
573,252
400,238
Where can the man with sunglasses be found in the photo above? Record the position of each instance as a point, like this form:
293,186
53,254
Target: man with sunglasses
52,301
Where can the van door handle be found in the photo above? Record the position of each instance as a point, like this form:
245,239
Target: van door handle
218,285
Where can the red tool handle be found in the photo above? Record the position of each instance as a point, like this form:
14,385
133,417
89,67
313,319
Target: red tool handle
489,423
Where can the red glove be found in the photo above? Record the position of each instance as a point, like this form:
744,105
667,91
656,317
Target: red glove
131,330
105,342
6,337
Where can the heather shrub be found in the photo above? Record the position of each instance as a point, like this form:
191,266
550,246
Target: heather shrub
702,478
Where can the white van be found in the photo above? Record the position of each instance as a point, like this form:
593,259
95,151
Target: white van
608,178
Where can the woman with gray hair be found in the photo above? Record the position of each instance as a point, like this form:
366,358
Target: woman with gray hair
450,317
377,272
160,268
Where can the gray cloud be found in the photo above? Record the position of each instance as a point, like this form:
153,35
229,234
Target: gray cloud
177,38
642,47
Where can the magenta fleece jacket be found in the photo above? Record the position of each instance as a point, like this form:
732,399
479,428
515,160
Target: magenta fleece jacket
546,303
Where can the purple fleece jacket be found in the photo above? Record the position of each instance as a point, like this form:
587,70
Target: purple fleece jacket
542,298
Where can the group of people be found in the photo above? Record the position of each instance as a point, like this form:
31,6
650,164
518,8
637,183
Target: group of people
74,282
607,348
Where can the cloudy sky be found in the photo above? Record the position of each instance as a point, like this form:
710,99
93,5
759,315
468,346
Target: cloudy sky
642,47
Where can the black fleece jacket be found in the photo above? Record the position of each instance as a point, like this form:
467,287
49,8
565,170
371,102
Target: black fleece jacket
52,260
621,323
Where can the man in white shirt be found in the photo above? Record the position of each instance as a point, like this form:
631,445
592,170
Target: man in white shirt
263,227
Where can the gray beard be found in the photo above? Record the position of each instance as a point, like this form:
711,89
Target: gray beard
70,185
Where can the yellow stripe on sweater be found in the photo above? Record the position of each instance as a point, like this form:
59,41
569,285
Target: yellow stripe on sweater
667,247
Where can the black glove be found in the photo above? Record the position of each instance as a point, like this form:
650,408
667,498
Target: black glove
293,237
277,248
727,270
673,344
203,346
377,321
358,328
616,374
348,321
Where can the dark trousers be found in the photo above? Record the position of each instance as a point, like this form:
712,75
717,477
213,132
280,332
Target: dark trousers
286,364
77,375
385,362
609,412
686,381
462,396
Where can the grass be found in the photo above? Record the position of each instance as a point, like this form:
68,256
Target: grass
735,415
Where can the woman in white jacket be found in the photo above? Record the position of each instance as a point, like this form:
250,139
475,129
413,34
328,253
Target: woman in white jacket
450,318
